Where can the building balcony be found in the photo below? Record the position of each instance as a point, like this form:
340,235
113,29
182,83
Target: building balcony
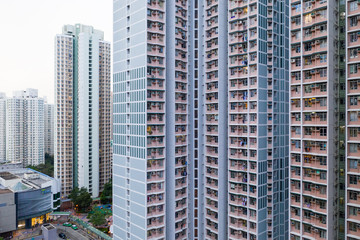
294,216
314,178
354,218
295,12
156,234
155,188
238,213
351,200
316,91
356,107
155,120
352,170
353,185
294,53
295,66
355,154
237,4
238,27
355,43
314,149
155,211
352,232
356,11
155,223
294,202
155,178
237,234
156,5
315,221
314,77
294,189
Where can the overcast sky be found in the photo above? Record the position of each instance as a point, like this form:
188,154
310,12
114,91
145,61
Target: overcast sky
28,28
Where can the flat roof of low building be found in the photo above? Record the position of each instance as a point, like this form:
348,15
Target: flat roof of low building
26,178
5,190
48,226
7,175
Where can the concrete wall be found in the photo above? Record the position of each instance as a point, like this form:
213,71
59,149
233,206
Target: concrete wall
7,212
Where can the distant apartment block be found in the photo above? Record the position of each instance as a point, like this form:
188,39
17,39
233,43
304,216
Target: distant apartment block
25,128
2,127
82,109
49,129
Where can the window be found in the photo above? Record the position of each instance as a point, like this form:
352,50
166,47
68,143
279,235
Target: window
323,43
322,13
353,132
354,101
353,21
353,6
322,146
353,195
322,102
323,58
353,179
308,18
307,5
353,69
353,53
323,72
353,163
353,37
323,87
353,147
322,131
353,85
353,211
353,116
323,175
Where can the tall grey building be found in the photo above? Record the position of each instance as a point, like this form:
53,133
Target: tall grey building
82,109
49,128
201,119
25,128
2,127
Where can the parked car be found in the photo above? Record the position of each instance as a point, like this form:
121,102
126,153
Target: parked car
66,224
62,236
74,227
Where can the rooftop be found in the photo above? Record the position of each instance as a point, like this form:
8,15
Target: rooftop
3,191
22,178
7,176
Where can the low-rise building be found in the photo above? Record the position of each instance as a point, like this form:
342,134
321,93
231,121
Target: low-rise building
7,211
36,196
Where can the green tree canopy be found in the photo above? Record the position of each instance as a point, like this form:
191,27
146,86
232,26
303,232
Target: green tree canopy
97,217
106,195
81,198
47,168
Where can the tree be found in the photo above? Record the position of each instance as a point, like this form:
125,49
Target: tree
47,168
81,198
97,217
106,195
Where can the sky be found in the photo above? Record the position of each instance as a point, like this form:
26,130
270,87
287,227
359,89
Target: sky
28,29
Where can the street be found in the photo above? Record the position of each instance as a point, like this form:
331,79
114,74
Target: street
71,233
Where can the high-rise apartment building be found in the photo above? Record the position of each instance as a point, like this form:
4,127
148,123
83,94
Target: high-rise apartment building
25,128
2,127
201,119
82,109
350,13
49,128
316,105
